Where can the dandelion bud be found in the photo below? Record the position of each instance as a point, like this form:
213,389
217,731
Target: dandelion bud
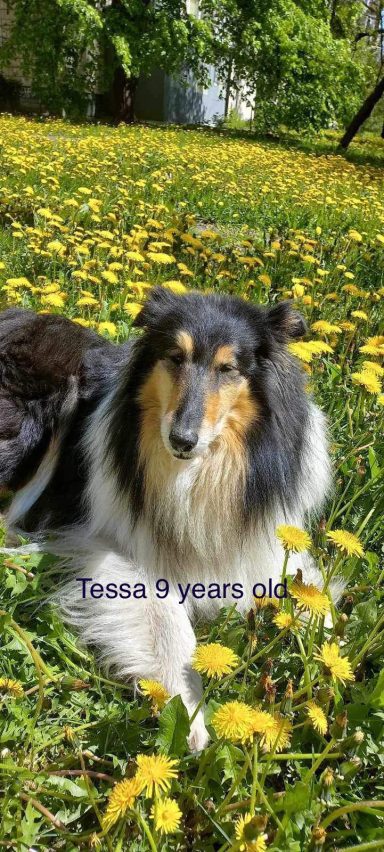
352,743
261,821
286,704
325,694
327,784
322,525
318,838
348,604
350,768
270,690
74,684
359,736
339,727
251,830
69,733
340,625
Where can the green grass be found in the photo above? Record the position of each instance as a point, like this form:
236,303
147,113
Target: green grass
82,213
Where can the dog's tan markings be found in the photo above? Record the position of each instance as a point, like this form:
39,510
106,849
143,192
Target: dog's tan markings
153,400
244,411
185,341
224,355
234,404
212,407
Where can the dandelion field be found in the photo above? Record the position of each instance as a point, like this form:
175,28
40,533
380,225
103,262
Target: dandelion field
90,219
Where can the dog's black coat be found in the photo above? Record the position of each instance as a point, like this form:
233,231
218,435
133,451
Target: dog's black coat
43,359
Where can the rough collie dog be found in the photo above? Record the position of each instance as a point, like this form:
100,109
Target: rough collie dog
166,464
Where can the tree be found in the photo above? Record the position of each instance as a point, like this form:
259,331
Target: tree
363,113
69,48
371,33
294,56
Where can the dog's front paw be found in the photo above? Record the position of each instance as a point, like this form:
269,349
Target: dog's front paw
198,737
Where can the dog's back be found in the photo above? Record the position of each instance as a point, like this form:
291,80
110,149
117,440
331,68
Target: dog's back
52,373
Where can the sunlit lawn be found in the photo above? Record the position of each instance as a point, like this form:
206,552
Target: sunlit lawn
91,219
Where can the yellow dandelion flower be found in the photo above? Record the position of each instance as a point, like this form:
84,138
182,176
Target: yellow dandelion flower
87,302
373,345
214,659
160,257
155,691
307,350
324,327
359,315
373,367
251,840
368,380
233,721
283,620
155,772
317,717
339,667
54,300
265,279
120,800
301,351
81,321
133,309
18,282
11,687
380,399
56,247
176,286
135,255
347,542
298,291
355,235
293,538
277,736
347,326
262,723
166,815
109,276
311,598
109,327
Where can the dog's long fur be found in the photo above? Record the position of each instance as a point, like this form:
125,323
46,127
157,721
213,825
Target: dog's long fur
173,457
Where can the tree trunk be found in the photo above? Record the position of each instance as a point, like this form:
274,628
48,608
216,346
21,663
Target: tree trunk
123,96
228,84
382,132
362,115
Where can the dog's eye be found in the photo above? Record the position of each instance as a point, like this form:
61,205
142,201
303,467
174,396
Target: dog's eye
227,368
176,358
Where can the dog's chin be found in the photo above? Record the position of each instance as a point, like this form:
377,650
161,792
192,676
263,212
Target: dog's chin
180,456
200,450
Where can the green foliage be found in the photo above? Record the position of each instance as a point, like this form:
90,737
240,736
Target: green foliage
298,73
71,48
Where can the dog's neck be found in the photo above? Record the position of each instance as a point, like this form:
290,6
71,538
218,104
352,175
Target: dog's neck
194,507
191,511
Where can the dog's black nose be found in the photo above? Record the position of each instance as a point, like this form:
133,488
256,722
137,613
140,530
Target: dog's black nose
183,441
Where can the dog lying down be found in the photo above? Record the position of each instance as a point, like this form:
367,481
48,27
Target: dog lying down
163,466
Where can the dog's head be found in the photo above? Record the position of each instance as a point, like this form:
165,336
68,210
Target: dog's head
207,357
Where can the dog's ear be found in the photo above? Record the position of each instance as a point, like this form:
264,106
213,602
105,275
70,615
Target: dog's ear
284,323
159,303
